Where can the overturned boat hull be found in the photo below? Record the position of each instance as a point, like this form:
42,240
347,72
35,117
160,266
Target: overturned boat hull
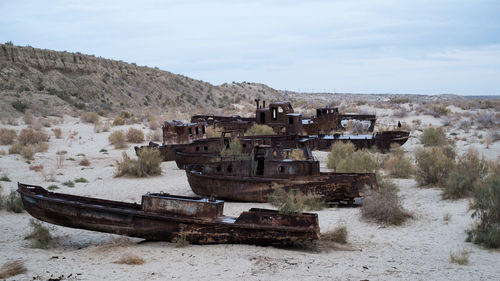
256,226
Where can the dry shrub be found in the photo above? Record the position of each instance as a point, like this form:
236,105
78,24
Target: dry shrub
438,110
464,125
29,136
433,165
486,120
147,164
2,152
41,147
433,137
36,168
16,148
117,138
486,206
28,118
57,133
384,205
154,124
294,201
338,235
115,242
135,135
7,136
40,235
130,259
461,258
232,149
259,130
213,132
469,172
398,165
14,203
28,152
89,117
344,159
84,162
118,121
12,268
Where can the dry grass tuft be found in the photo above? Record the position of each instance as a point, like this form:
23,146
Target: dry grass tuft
259,130
338,235
461,258
14,203
135,135
384,205
36,168
12,268
147,164
117,138
118,121
57,133
89,117
7,136
295,201
29,136
84,162
213,132
40,235
115,242
130,259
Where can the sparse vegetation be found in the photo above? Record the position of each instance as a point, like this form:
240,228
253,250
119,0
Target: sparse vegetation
466,176
12,268
118,121
135,135
7,136
69,183
117,138
384,205
461,258
130,259
14,203
40,235
433,137
259,130
294,201
147,164
433,166
486,206
53,187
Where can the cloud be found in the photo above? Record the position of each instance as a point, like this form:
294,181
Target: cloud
355,46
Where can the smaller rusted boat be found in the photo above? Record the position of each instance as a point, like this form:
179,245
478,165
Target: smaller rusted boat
253,178
169,218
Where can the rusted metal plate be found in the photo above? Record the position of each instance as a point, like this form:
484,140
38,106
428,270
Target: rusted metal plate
257,226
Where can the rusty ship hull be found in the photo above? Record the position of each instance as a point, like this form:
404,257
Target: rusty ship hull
256,226
332,187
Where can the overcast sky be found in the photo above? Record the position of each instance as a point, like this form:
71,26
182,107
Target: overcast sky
419,47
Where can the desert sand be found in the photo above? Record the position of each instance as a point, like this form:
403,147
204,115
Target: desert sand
418,250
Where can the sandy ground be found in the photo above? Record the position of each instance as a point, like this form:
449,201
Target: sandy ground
418,250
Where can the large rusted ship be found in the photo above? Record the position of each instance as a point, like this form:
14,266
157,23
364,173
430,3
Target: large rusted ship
169,218
254,177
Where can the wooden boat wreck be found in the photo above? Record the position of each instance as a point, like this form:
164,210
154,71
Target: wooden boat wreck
169,218
253,178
